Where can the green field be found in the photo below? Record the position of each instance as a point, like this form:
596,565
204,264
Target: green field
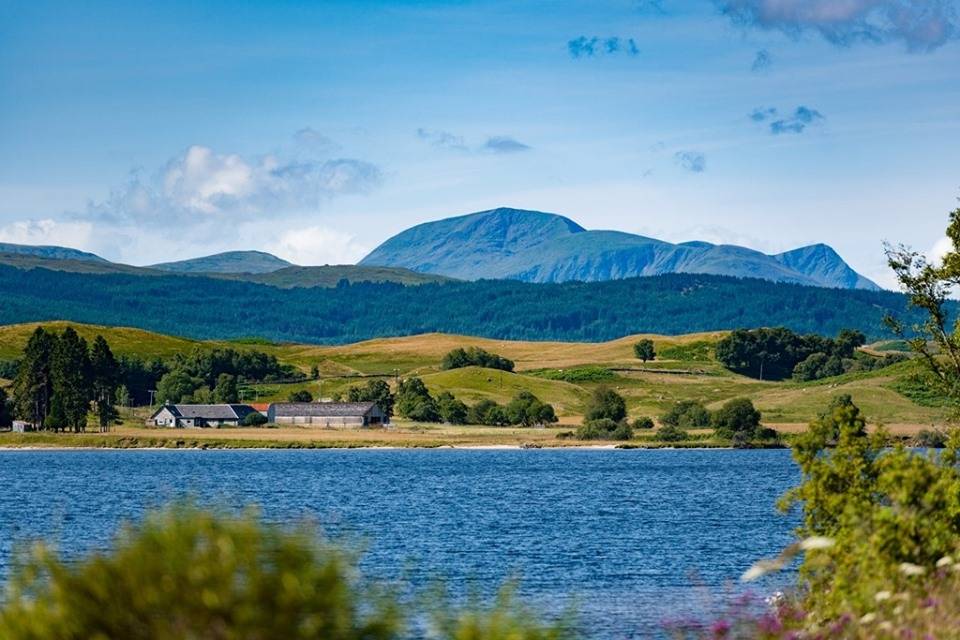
551,370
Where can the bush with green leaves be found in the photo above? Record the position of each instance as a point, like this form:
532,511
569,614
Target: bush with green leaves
687,414
414,401
671,433
301,395
451,410
606,403
883,507
644,350
487,412
255,419
475,357
186,573
736,418
604,429
527,410
643,422
377,391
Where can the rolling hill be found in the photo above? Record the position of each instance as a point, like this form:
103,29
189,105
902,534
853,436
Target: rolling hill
649,388
55,253
228,262
533,246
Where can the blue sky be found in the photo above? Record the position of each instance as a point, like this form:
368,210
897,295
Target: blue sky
316,130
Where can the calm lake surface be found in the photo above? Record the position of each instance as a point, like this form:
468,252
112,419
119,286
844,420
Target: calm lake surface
632,536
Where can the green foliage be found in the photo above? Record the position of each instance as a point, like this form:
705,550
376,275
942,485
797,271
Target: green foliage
696,351
70,370
6,409
175,386
451,410
686,414
671,433
931,439
577,311
9,368
736,418
475,357
301,395
104,378
605,403
33,386
414,401
487,412
576,374
226,389
604,429
643,422
774,354
644,350
880,506
182,573
376,391
528,410
923,388
255,419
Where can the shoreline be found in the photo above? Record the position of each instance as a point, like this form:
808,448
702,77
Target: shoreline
354,447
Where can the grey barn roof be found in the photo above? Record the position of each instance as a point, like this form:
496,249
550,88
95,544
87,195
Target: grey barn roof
209,411
321,409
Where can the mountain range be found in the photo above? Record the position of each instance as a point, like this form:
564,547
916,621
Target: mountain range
533,246
499,244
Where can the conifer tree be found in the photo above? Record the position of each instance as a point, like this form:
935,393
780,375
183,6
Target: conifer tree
33,386
70,369
104,380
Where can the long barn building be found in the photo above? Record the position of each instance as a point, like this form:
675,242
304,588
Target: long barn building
327,414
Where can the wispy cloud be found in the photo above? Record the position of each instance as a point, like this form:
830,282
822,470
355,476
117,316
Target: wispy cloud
589,47
493,144
694,161
762,61
443,139
921,25
505,144
801,118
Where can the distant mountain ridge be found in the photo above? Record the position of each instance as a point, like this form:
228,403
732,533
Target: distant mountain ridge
49,252
227,262
533,246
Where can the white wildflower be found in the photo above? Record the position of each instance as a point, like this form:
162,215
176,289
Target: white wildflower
910,569
882,595
816,543
761,568
945,561
867,618
885,625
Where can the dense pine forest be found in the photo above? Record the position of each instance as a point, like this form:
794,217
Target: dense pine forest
671,304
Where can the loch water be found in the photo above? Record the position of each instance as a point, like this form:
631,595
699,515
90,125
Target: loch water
628,537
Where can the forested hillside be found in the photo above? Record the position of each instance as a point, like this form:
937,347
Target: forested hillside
211,308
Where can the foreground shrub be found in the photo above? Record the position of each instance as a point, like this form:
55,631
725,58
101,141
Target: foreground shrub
186,574
604,429
687,414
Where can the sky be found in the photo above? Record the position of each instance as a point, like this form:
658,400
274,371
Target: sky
150,132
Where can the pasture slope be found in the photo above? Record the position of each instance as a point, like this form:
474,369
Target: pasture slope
685,370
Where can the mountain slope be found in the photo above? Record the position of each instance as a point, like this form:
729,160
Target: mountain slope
50,252
332,275
824,265
532,246
228,262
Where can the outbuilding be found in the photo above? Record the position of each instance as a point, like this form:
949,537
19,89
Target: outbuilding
201,415
327,414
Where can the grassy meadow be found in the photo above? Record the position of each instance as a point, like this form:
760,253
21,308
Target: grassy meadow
563,374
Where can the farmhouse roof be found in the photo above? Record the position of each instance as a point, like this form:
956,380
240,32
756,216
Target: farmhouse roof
209,411
322,409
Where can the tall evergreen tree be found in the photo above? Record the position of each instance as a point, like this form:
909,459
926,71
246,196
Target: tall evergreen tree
33,386
70,369
104,378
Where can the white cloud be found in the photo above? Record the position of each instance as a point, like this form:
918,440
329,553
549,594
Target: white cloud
941,247
201,185
318,245
77,235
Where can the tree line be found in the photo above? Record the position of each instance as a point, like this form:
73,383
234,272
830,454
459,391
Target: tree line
572,311
779,353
